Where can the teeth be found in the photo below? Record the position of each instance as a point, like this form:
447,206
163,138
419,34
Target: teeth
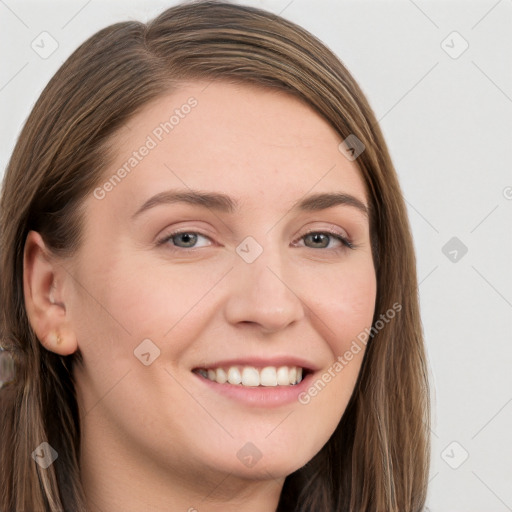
234,376
270,376
250,377
221,376
282,376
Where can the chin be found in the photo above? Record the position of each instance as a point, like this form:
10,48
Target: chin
255,461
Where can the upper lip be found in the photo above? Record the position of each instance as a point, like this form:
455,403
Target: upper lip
261,362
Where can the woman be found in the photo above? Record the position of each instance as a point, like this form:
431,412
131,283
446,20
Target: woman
209,285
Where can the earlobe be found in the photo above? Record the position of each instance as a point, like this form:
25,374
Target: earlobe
61,341
46,311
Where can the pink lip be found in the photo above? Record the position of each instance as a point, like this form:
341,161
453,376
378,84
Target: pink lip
259,362
260,396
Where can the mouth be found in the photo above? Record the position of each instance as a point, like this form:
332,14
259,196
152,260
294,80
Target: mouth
252,376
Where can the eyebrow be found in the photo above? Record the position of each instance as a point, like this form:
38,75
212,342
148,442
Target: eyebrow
226,204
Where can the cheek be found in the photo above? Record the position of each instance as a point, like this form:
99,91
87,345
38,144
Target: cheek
355,308
156,299
345,304
344,310
132,300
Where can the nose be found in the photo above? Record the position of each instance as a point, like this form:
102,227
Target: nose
264,294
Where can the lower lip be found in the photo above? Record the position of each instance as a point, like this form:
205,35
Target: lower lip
261,396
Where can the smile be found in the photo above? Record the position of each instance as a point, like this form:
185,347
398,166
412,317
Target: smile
250,376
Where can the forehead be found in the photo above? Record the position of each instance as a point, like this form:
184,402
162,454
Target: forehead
256,144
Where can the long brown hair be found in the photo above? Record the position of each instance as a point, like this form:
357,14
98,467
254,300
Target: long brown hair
378,458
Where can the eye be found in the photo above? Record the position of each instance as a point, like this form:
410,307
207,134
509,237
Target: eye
320,238
187,238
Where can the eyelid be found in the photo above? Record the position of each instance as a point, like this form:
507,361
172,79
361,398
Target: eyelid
168,236
343,237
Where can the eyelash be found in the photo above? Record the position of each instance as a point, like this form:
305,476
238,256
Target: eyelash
347,244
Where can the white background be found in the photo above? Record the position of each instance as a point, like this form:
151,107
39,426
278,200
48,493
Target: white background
448,123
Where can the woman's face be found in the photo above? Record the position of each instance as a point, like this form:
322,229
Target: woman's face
242,287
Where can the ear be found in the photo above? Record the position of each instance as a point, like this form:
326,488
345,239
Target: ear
43,280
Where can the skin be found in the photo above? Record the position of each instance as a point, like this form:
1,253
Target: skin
156,437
